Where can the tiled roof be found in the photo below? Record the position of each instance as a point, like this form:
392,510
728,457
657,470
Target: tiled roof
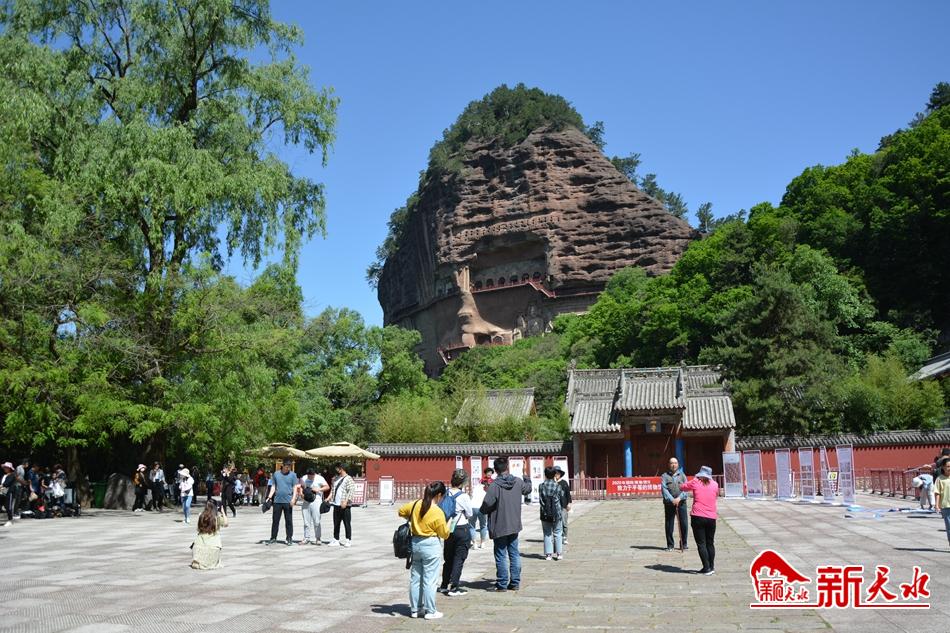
650,390
595,395
935,367
704,378
594,415
939,437
485,449
708,412
497,404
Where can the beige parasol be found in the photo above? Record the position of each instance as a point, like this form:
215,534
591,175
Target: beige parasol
278,450
342,450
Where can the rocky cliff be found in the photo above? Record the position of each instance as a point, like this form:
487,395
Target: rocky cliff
550,214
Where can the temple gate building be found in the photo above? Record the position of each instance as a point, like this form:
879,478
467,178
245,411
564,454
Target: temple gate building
629,422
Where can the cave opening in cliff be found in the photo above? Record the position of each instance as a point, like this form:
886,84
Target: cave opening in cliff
508,260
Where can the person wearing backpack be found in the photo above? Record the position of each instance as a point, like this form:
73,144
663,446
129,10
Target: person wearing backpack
502,504
550,498
427,525
457,506
312,489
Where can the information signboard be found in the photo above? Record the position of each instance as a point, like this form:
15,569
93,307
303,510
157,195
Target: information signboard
732,469
783,474
806,472
359,492
752,461
387,490
845,455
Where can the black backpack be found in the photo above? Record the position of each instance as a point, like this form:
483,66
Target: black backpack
550,508
309,495
402,540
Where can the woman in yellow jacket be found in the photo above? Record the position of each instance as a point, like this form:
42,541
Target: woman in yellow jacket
428,526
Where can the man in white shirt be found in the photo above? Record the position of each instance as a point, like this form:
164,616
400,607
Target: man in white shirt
478,518
312,489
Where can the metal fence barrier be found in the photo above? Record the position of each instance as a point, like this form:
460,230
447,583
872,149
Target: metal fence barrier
891,482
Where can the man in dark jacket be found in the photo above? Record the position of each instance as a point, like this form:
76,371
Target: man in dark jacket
674,502
502,505
566,500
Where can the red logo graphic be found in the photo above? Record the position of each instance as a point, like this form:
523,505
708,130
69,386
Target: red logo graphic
778,585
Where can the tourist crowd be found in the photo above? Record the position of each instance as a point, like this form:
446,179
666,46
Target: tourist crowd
36,491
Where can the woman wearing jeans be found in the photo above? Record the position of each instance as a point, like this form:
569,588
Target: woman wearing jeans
703,517
942,492
187,487
428,526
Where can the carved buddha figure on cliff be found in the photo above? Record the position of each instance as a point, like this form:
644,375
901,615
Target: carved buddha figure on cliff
474,329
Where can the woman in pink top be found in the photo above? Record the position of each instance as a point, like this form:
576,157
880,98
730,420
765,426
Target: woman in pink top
703,517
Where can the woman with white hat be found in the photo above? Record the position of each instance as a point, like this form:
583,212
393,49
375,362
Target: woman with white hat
187,487
140,481
703,517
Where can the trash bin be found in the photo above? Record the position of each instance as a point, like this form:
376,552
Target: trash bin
98,494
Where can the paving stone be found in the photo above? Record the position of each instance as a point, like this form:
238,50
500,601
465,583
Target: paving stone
114,571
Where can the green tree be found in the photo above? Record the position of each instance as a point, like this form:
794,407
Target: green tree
339,389
885,216
402,371
779,355
153,134
704,217
881,398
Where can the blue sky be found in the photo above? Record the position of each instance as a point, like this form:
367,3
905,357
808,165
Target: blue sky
725,101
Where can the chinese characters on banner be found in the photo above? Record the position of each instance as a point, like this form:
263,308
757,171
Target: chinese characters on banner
536,465
778,585
846,473
732,469
783,473
806,470
643,486
359,491
459,463
476,465
752,460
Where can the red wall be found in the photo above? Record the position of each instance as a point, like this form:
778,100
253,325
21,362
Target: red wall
413,468
896,457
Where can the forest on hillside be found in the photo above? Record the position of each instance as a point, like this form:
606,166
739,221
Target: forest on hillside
121,197
818,309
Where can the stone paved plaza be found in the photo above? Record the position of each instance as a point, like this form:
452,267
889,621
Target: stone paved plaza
114,571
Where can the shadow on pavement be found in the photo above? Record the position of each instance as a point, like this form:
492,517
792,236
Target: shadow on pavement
655,547
670,569
401,608
920,549
484,584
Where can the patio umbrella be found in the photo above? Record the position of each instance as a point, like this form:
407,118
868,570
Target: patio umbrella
278,450
342,450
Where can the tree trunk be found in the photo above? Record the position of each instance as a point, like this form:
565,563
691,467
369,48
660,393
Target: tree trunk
75,474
